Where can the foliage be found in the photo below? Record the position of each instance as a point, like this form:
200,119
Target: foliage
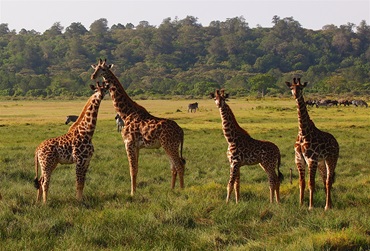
180,55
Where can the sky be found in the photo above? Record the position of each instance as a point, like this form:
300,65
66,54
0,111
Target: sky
311,14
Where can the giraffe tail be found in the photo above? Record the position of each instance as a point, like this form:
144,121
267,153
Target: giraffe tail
280,175
181,146
36,182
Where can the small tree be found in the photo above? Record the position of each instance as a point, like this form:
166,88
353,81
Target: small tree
261,83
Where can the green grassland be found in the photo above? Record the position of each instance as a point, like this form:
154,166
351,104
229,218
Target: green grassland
197,217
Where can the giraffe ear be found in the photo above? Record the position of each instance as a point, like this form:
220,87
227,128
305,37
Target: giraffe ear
92,87
93,66
110,66
305,84
288,84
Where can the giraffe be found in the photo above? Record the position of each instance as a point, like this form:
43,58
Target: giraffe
314,147
73,147
143,130
244,150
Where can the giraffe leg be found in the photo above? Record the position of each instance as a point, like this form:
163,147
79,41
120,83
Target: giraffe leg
174,175
40,189
330,166
47,167
234,169
133,156
80,181
237,186
177,164
323,173
277,191
45,188
300,163
312,167
273,181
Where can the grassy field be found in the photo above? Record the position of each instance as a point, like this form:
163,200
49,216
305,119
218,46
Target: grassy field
197,217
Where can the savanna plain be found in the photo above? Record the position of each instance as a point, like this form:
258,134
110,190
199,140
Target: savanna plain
193,218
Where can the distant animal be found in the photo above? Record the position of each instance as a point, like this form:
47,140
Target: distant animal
359,102
73,147
71,118
119,122
322,102
310,102
344,102
193,106
332,102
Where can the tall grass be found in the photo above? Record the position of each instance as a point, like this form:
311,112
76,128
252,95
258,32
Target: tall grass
197,217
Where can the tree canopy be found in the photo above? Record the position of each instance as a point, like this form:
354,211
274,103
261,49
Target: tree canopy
182,57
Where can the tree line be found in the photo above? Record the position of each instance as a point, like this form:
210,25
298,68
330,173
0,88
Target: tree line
182,57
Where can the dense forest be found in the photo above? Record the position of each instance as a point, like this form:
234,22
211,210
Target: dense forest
182,57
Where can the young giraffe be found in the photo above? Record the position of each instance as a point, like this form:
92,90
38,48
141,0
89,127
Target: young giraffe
143,130
314,147
73,147
244,150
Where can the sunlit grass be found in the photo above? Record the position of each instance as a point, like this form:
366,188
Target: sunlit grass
197,217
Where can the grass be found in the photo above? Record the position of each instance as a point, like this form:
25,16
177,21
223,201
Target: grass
197,217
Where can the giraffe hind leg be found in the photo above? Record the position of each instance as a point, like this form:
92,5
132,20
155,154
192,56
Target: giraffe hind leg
237,188
44,181
38,186
177,164
177,168
330,167
234,176
133,157
274,184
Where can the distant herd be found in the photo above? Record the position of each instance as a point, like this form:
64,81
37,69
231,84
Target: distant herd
333,102
311,102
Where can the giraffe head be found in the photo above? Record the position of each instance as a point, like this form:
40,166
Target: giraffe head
219,98
100,89
296,87
100,69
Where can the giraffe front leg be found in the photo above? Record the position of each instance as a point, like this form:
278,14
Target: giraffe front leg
312,167
80,181
301,164
133,156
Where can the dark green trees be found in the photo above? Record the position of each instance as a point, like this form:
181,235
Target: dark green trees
183,57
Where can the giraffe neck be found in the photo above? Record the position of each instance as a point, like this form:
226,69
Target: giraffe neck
229,124
86,122
304,121
123,104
